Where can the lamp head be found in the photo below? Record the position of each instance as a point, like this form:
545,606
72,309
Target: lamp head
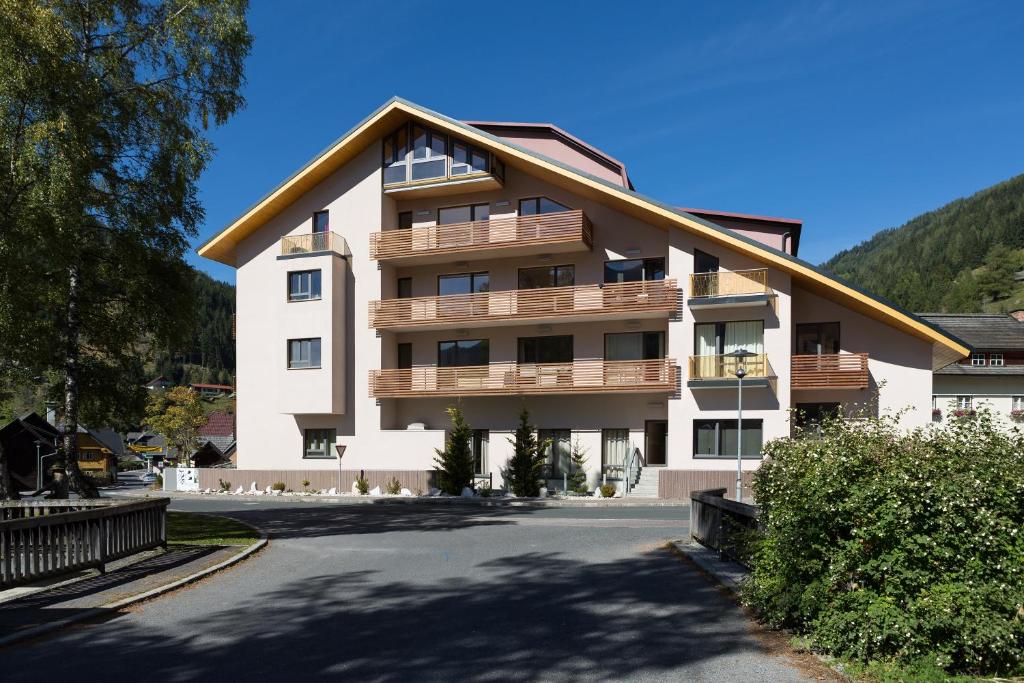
741,373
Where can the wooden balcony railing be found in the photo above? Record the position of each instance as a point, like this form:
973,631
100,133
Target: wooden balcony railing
729,283
724,367
830,371
516,379
312,243
526,304
457,238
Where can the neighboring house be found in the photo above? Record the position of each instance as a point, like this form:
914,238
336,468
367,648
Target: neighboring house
215,439
212,390
160,382
24,439
992,376
421,261
147,445
98,452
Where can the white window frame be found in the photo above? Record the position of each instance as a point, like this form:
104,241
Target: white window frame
965,402
328,436
305,357
977,359
996,360
305,292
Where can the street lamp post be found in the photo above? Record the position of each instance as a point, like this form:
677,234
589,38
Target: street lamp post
740,372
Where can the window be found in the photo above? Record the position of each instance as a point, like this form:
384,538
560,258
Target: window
817,338
316,443
717,438
964,402
404,287
614,448
995,359
462,353
810,415
558,452
463,214
634,270
468,159
1018,403
480,444
404,220
557,349
303,353
428,154
547,276
716,339
404,356
304,285
396,151
463,283
539,205
977,359
634,346
321,221
704,262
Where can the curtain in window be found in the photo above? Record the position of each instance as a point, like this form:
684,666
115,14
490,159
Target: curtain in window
558,451
748,335
481,442
614,447
626,346
707,349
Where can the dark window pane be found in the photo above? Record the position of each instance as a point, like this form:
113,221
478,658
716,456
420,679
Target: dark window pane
405,220
478,161
419,142
437,145
704,438
321,221
565,276
481,212
535,278
455,284
631,270
447,354
404,356
549,206
404,287
428,169
654,269
557,349
624,346
654,345
454,214
314,285
704,263
395,174
528,207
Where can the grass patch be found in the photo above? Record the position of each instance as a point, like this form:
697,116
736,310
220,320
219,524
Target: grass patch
189,528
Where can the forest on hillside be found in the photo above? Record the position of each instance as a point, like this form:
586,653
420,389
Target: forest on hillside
960,258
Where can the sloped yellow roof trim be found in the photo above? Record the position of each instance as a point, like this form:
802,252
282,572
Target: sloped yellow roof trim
221,246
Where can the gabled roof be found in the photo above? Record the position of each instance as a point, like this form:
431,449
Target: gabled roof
945,347
983,331
218,423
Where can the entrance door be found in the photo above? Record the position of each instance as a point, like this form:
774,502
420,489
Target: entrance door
656,441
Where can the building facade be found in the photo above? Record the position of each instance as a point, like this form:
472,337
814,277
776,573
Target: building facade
991,377
421,261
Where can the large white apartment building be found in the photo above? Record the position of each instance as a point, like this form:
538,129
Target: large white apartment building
421,261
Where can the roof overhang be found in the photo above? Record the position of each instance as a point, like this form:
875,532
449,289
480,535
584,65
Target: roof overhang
945,348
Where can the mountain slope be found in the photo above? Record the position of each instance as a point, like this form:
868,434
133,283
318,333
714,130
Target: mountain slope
959,258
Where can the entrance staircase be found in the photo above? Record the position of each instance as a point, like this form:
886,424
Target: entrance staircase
647,484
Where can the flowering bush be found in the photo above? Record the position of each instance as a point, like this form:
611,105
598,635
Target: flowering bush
936,414
1017,414
894,547
964,412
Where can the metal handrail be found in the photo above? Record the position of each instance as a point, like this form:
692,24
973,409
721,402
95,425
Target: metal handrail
635,456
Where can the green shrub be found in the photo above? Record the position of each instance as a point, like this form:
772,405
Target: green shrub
362,485
278,486
607,490
393,486
894,547
224,485
305,484
158,485
455,465
578,478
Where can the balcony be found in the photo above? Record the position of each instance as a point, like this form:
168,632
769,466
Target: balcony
830,371
626,300
719,372
730,289
524,379
564,231
314,243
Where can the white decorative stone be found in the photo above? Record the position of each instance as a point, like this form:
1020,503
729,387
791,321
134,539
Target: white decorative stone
207,491
332,491
543,491
406,492
239,491
375,491
253,487
467,492
355,489
268,490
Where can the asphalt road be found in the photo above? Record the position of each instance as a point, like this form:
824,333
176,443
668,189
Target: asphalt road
418,592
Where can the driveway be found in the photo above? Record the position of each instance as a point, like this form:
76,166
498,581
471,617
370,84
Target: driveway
418,592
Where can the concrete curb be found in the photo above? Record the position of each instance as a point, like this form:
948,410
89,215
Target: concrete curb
424,500
729,574
94,612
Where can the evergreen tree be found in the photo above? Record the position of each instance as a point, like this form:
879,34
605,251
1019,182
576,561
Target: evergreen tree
456,464
525,468
578,478
995,280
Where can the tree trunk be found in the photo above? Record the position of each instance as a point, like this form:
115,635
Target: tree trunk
76,480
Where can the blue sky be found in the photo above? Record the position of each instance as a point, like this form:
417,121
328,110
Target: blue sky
851,116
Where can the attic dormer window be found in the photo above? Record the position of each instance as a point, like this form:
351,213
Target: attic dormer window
467,159
428,153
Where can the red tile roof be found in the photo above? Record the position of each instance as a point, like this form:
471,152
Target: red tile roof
219,424
225,387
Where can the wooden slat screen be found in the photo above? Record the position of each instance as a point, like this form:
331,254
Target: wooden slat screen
514,379
724,367
830,371
625,297
454,238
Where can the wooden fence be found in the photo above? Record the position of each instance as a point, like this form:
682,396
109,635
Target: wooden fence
40,539
721,524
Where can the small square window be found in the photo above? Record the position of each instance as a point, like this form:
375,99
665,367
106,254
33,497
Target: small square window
995,359
964,402
321,221
303,285
1018,402
977,359
303,353
317,443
